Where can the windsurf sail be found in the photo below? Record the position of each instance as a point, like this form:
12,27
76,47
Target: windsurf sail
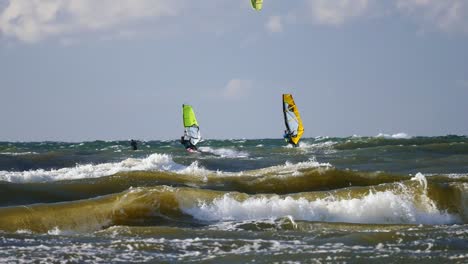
191,131
257,4
292,119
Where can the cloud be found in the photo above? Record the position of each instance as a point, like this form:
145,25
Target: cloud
274,24
444,15
237,88
33,20
336,12
441,15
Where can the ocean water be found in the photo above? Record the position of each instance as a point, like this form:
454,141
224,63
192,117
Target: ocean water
391,198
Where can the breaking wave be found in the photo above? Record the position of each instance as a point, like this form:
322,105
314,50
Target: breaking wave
407,202
154,162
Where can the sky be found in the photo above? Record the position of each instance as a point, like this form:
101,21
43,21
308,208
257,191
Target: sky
74,70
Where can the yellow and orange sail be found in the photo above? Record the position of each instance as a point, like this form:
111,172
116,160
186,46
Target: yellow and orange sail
292,119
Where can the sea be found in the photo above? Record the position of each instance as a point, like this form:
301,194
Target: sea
382,199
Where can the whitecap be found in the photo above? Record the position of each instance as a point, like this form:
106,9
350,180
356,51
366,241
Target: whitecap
400,135
154,162
225,152
384,207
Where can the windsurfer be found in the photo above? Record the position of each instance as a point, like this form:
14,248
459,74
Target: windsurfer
187,144
134,144
191,130
288,138
292,120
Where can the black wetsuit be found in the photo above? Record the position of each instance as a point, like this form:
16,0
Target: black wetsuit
187,144
134,144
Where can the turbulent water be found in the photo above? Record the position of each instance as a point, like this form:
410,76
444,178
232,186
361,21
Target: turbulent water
340,200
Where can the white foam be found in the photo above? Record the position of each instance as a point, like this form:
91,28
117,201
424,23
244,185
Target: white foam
290,168
225,152
326,147
380,208
23,231
18,153
194,169
58,232
456,175
421,179
321,137
154,162
400,135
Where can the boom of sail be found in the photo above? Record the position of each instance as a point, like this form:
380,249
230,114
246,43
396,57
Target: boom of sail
292,119
191,129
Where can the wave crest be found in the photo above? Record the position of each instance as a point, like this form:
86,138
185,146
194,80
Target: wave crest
154,162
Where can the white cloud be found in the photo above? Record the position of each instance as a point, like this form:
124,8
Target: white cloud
336,12
274,24
32,20
237,88
442,15
445,15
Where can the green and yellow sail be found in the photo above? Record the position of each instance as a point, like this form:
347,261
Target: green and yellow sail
257,4
191,129
292,119
189,116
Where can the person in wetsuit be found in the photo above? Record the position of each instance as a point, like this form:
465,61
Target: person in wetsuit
288,138
134,144
187,144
